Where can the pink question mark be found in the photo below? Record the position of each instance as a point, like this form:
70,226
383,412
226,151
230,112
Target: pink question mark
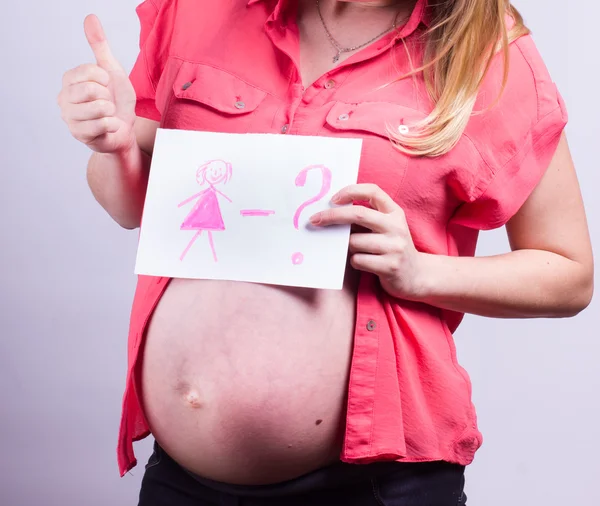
298,258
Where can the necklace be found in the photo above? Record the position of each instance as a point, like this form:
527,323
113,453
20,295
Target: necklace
340,50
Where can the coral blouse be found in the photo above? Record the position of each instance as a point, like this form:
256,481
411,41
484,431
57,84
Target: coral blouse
232,66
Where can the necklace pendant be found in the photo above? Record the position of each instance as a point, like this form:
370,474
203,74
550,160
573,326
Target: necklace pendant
336,58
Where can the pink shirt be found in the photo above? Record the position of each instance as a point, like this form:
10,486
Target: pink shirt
233,67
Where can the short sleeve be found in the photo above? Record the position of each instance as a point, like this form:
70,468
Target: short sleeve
151,59
515,140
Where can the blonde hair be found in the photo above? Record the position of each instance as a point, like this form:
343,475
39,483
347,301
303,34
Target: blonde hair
463,38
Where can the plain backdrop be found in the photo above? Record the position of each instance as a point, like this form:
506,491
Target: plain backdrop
66,286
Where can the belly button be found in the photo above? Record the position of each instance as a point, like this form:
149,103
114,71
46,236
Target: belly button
193,399
189,394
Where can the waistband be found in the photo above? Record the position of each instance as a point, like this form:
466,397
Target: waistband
332,476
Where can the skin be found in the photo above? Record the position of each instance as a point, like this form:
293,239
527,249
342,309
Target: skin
548,273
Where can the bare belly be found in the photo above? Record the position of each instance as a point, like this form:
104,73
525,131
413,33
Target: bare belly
245,383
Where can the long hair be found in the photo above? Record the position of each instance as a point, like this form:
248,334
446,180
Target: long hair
463,38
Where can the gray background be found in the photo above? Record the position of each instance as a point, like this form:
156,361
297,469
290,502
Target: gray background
67,284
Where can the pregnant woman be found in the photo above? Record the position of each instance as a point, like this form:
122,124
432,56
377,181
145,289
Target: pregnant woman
266,395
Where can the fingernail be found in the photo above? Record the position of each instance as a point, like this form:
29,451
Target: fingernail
315,219
335,198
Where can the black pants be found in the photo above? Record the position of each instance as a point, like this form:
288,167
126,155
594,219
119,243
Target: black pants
165,483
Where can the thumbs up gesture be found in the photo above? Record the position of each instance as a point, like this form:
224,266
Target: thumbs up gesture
97,101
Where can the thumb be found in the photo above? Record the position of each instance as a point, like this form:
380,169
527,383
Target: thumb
97,41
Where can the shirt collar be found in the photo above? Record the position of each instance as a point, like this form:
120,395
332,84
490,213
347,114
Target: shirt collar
421,13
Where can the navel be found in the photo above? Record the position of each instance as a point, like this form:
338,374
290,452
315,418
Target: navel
193,399
190,395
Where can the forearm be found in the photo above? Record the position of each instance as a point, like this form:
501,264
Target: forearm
520,284
118,182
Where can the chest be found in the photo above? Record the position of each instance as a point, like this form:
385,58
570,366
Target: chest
317,54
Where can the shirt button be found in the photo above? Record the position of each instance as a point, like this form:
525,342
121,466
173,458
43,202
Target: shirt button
284,129
330,84
239,104
344,117
371,325
186,85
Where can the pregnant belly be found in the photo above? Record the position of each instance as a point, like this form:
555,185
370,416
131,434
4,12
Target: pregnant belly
245,383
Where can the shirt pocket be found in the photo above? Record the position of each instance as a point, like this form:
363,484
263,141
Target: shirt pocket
204,97
375,122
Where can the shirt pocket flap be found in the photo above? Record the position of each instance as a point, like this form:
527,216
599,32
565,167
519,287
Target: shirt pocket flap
380,118
216,88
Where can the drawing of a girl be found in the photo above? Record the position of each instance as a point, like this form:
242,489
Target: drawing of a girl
206,213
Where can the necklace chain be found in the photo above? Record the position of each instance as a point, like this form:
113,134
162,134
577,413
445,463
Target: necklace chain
338,47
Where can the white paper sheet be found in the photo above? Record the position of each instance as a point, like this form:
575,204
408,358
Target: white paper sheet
224,206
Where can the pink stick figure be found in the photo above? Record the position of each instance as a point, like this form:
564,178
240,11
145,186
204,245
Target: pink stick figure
206,213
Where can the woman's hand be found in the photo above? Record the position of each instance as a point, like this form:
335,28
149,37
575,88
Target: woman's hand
97,101
387,248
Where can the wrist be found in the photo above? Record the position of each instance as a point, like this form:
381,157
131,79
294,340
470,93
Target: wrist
427,278
129,153
131,159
